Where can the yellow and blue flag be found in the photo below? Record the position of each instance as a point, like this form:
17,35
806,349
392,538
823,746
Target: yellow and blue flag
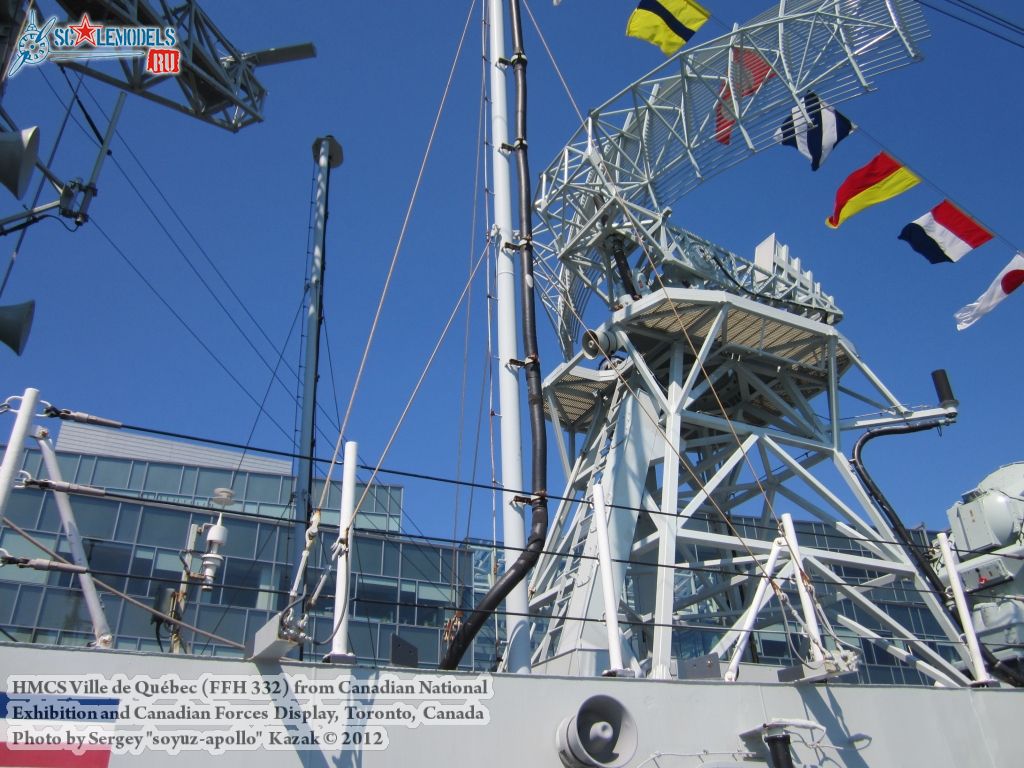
669,24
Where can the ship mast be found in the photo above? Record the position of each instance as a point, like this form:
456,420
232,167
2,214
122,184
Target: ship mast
327,153
516,604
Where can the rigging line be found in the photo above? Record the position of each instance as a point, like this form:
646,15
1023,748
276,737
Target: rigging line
195,240
43,180
423,374
551,56
415,570
487,379
699,566
330,367
202,280
412,397
401,237
149,578
332,558
971,24
459,547
1001,21
124,596
482,408
746,523
199,246
481,545
266,394
686,625
369,483
97,134
182,320
870,137
480,144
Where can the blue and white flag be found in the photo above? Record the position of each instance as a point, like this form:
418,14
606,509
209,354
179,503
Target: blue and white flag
817,139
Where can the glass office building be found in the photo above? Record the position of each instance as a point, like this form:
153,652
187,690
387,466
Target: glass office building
402,585
134,537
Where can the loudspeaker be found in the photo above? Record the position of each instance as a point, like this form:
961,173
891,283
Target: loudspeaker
599,344
18,152
15,323
602,733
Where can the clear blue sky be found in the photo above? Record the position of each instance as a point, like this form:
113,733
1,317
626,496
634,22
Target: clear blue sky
102,342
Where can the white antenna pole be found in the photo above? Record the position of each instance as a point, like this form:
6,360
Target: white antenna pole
16,447
513,516
611,597
346,531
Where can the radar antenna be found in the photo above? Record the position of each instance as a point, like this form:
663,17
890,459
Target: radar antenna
607,196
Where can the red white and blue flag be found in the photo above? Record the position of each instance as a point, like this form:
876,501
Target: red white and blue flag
945,234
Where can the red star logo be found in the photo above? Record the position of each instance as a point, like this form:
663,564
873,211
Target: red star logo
85,31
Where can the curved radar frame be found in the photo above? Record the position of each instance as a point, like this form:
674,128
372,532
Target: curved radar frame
608,192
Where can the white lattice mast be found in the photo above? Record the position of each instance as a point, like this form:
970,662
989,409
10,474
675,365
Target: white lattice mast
716,389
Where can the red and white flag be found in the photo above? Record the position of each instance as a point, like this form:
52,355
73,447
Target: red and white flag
749,72
944,234
1006,282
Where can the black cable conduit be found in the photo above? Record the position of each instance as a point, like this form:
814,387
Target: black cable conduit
515,573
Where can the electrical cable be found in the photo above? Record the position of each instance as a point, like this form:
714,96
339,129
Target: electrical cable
183,322
971,24
124,596
1002,670
517,571
175,243
746,523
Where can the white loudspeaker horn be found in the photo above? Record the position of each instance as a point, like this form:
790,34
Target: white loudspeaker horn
18,152
602,734
599,344
15,323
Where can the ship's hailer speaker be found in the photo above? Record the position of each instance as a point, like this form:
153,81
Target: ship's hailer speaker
15,323
602,733
599,343
18,152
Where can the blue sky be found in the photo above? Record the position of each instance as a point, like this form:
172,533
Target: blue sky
102,343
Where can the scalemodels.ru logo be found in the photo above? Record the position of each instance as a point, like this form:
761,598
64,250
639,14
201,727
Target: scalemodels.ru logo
85,40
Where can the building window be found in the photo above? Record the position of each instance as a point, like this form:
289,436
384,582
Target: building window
376,598
163,478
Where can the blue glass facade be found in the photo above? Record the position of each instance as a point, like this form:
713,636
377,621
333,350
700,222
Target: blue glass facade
401,585
134,538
